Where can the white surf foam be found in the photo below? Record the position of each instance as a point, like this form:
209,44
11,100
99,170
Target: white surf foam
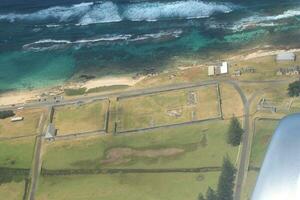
104,12
101,13
161,34
264,21
51,43
179,9
52,25
47,44
61,13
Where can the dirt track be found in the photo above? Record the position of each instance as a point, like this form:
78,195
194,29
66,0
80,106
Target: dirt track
123,155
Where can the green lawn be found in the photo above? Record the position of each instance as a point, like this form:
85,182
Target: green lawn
170,186
12,190
168,108
264,130
249,185
17,153
88,153
80,118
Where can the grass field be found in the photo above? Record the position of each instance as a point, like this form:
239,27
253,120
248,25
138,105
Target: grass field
229,98
12,190
171,186
17,153
266,68
264,130
80,118
26,127
249,185
168,108
199,145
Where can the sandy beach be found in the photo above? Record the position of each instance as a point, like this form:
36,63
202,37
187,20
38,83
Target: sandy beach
18,97
110,81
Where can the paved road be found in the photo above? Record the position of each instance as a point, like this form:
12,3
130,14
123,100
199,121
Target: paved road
105,96
245,147
36,167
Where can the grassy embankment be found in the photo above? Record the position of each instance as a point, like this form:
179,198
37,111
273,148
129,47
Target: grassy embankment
82,91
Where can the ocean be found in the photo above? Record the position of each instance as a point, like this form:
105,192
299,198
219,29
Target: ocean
44,43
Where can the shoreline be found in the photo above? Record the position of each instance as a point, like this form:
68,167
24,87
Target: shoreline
25,95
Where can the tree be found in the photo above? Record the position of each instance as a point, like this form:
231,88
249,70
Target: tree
294,89
6,113
235,132
201,197
226,181
211,194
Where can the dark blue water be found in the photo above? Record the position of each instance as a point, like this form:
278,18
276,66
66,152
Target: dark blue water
45,42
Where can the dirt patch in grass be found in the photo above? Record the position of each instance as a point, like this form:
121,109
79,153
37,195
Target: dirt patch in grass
266,139
123,155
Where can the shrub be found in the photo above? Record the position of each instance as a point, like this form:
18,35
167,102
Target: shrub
75,92
6,113
294,89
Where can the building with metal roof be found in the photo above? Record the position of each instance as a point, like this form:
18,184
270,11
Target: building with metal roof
50,132
286,56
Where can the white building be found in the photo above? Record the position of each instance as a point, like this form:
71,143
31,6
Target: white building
217,70
211,70
286,56
16,119
224,68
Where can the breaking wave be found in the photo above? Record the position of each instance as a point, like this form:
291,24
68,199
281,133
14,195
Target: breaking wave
48,44
104,12
59,13
264,21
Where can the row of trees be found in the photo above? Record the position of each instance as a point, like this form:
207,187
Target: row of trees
226,180
6,113
225,184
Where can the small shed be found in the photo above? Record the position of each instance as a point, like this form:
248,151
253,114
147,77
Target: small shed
237,73
16,119
211,70
286,56
50,132
224,68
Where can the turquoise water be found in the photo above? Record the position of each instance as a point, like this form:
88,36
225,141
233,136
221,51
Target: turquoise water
34,69
44,43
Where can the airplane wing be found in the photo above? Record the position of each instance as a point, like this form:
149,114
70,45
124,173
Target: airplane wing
279,177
